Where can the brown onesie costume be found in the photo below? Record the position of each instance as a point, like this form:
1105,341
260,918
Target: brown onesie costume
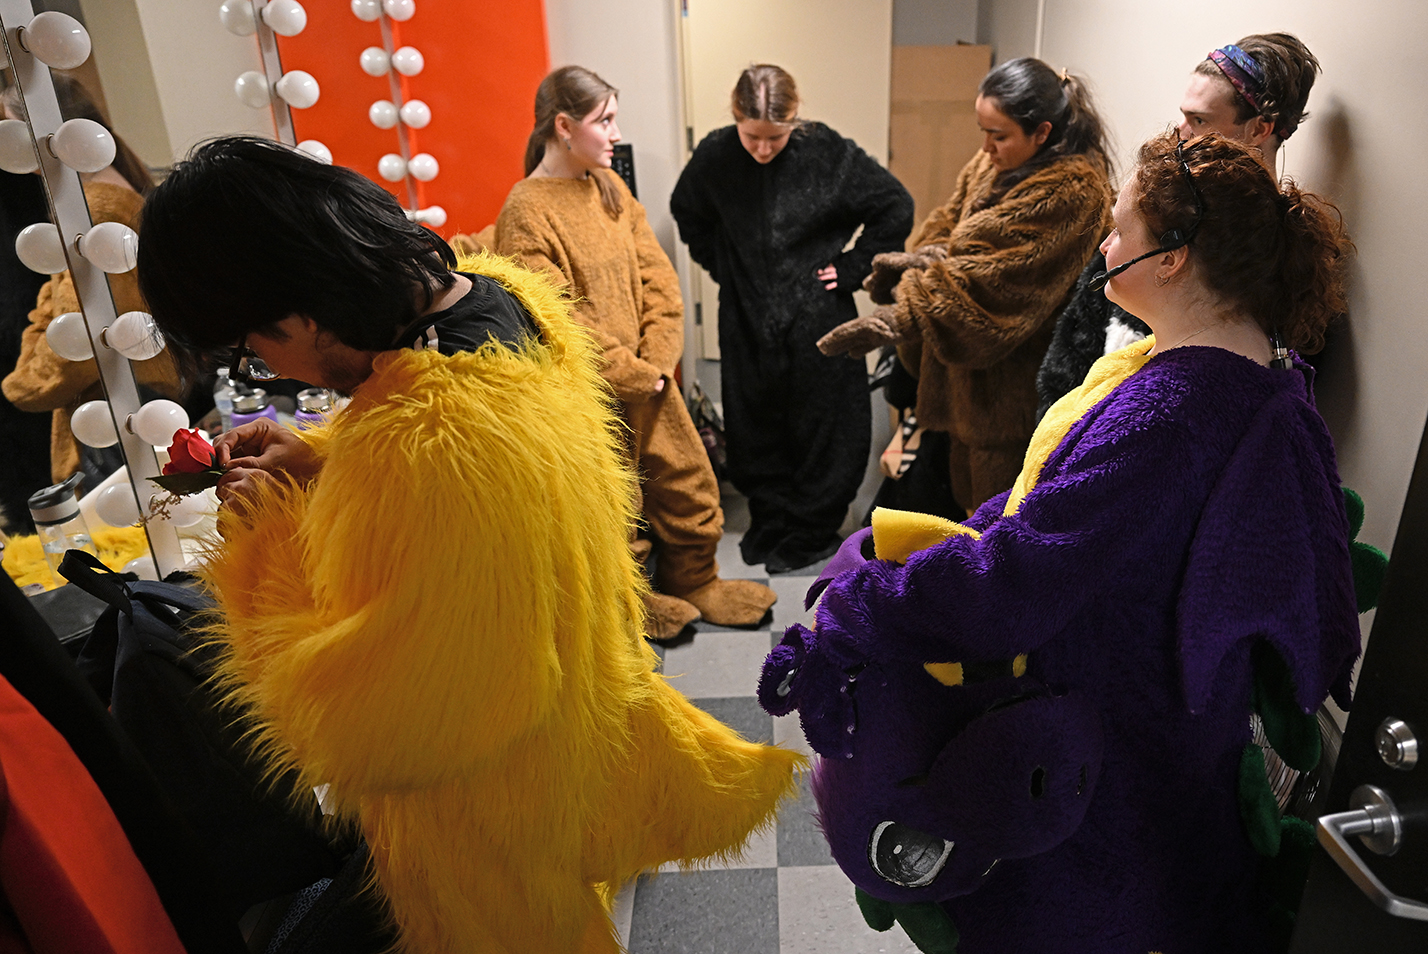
42,380
627,293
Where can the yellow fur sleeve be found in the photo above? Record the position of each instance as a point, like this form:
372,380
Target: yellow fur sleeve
398,624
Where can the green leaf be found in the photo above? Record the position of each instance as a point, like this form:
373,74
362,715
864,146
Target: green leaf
185,484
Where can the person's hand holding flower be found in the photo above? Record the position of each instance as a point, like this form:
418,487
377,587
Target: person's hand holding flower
193,464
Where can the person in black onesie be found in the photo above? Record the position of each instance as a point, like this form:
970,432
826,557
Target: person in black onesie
768,206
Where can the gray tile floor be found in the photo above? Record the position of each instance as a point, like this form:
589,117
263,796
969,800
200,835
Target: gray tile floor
785,895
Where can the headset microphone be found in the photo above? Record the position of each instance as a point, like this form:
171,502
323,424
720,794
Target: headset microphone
1169,242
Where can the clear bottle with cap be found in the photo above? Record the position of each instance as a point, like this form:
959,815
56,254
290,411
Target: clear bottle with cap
223,393
313,407
58,522
251,405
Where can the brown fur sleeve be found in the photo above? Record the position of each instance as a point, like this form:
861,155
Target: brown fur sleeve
662,311
1008,266
42,380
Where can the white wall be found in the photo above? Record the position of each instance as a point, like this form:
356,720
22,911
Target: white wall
1363,147
122,58
631,44
194,62
168,68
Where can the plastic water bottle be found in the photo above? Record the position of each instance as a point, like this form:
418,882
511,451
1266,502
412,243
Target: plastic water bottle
59,524
223,394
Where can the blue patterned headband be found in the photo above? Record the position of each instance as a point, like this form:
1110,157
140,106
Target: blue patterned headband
1246,76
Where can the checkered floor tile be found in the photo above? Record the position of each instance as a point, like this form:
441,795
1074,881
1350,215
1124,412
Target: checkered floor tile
785,895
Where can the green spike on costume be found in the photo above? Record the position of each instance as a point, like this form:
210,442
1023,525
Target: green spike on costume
1369,562
926,925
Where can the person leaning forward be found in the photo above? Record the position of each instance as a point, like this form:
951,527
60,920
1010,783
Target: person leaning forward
429,604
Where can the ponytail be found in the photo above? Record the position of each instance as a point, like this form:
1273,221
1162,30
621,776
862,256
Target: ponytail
1280,257
1313,287
574,92
1031,93
1085,133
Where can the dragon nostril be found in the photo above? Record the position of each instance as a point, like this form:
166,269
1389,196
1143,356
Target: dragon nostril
1038,782
1081,786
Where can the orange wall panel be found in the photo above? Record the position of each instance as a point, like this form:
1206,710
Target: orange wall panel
484,61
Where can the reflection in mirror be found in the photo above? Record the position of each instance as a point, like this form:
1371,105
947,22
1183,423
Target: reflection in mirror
56,359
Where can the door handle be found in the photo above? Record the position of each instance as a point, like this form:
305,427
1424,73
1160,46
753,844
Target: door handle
1375,819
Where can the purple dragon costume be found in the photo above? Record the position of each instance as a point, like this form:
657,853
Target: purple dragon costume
1076,789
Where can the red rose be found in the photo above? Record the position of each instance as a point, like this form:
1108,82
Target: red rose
189,453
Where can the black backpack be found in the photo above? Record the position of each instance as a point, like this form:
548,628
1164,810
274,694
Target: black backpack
145,659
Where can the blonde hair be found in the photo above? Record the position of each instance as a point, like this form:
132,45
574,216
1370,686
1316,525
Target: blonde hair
765,92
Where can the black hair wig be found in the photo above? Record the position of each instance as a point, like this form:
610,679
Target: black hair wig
247,232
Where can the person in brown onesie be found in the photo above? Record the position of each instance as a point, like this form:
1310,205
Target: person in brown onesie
577,220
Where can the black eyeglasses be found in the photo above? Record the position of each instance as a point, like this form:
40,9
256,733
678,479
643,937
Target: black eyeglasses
245,367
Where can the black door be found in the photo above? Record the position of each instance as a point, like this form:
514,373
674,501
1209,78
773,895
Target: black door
1368,886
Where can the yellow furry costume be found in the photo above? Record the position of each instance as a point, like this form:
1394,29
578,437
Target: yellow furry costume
445,627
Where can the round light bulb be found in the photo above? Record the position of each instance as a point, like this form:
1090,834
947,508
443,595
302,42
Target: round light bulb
143,568
252,89
56,39
116,506
285,17
366,10
383,114
17,149
375,61
298,88
156,422
92,425
399,10
113,247
83,145
40,249
186,510
433,215
416,114
408,60
316,150
237,17
392,167
423,167
69,338
135,335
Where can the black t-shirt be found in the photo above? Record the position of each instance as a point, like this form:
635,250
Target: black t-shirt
487,312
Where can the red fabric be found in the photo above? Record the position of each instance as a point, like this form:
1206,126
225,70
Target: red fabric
65,864
484,60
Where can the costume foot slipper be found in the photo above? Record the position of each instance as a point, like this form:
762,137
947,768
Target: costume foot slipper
759,541
733,602
790,555
667,617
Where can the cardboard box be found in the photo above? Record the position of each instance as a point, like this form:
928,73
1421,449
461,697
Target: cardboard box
933,126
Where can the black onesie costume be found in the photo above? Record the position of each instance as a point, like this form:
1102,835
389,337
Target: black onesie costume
797,422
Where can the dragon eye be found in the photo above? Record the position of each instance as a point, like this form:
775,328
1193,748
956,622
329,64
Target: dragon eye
905,856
